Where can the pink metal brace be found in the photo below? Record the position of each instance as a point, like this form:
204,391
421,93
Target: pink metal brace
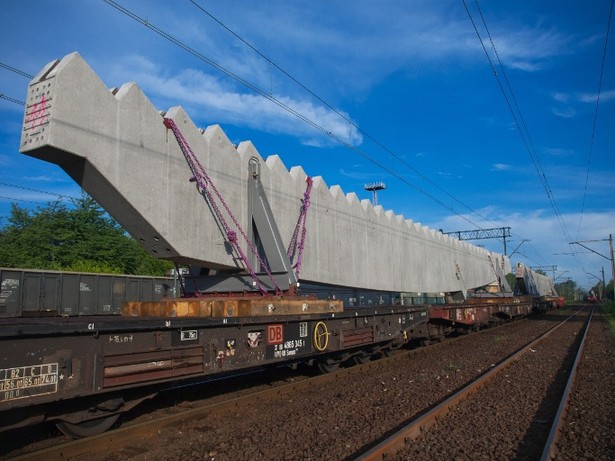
205,184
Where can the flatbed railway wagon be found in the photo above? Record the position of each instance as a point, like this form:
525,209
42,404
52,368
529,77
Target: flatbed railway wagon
83,368
83,371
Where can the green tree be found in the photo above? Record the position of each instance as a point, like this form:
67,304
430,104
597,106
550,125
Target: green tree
80,238
604,292
512,281
568,290
609,291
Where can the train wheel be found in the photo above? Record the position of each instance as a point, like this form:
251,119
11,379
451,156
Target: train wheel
327,365
87,428
361,358
387,352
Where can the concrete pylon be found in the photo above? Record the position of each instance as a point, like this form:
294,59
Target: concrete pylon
114,144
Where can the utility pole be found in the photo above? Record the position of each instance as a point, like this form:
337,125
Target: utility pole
612,264
611,259
603,284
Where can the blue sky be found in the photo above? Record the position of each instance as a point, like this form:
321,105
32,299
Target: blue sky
406,86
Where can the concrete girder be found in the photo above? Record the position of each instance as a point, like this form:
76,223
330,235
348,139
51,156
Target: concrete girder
114,144
534,283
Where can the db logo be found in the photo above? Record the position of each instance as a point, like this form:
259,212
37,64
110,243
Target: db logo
275,334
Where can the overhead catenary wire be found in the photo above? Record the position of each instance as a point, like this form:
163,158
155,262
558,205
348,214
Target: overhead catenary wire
593,133
331,135
517,116
267,95
520,121
541,172
285,107
508,84
359,129
16,71
14,199
38,191
337,112
342,115
13,100
272,99
60,197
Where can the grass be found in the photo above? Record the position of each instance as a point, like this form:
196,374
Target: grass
609,310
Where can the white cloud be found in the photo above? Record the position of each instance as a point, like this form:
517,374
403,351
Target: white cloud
500,167
565,112
446,175
530,49
590,98
584,97
561,97
223,102
558,152
358,175
364,42
569,100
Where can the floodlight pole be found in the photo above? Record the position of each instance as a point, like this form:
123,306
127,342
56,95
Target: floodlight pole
374,187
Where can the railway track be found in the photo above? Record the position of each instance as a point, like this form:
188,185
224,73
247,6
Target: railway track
166,408
443,421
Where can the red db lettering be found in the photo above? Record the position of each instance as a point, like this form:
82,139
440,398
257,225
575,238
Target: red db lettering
275,334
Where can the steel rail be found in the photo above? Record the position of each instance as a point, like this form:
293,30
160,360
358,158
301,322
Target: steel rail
415,427
550,450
